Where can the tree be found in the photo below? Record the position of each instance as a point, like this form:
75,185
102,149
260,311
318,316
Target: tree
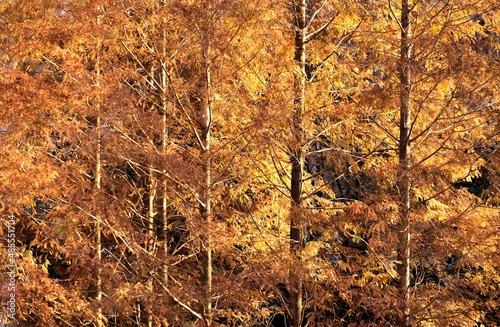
405,124
438,127
210,35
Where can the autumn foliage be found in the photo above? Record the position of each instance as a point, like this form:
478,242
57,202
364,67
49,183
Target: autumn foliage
250,163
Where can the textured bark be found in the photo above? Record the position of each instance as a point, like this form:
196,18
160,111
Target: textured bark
404,183
297,159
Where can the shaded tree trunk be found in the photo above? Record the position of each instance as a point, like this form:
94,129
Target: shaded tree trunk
404,183
297,158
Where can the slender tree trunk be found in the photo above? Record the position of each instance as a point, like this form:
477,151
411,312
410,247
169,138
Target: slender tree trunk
207,216
164,150
151,237
164,105
164,218
404,183
205,124
297,159
97,186
98,227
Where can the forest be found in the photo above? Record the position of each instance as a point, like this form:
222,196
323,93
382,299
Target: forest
250,163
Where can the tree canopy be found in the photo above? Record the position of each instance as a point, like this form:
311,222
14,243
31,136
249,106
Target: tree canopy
249,163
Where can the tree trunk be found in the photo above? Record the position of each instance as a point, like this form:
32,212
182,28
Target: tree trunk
297,159
98,227
164,106
404,183
97,186
204,121
164,151
151,238
165,227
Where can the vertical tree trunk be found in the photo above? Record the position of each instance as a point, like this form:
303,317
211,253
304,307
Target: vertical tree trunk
297,158
206,214
205,124
98,227
164,217
163,100
404,162
151,238
164,148
97,186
